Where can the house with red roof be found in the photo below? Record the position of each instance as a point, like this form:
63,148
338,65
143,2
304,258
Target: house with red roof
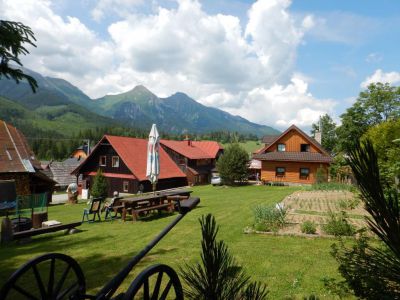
123,162
292,157
196,159
18,163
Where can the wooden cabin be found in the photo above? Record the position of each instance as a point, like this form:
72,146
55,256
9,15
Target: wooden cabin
197,159
18,163
123,162
292,158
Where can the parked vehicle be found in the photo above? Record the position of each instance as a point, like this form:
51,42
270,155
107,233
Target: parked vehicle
216,180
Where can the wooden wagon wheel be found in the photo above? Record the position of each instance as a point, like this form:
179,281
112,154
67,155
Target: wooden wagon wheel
54,276
166,284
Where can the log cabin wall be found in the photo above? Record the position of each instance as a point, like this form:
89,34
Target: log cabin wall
292,171
293,141
22,182
93,164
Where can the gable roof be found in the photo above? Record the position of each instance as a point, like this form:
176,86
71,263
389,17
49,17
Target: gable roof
15,153
268,139
194,149
294,157
133,152
302,133
61,171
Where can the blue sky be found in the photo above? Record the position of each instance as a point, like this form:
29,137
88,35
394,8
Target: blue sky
274,62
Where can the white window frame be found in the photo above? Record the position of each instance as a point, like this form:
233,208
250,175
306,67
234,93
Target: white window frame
115,161
105,160
125,186
284,147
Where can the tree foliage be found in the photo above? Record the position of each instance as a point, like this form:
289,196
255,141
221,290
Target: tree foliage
372,270
218,277
379,103
100,186
328,129
232,165
13,36
382,137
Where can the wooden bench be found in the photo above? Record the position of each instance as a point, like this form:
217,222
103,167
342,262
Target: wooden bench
135,212
33,232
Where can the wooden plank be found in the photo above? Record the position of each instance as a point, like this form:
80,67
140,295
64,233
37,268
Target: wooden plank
32,232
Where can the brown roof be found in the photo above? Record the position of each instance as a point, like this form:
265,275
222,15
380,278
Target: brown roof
268,139
305,135
194,149
294,156
133,152
15,153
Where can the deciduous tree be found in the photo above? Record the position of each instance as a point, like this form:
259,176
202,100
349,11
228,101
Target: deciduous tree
232,165
328,129
379,103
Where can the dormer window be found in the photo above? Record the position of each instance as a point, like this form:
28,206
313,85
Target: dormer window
115,161
305,148
103,161
281,148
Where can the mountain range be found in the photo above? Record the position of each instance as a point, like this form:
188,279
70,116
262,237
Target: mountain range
60,106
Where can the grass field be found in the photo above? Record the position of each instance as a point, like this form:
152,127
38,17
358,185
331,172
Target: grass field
292,267
249,146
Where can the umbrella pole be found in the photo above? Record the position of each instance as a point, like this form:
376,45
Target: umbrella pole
154,188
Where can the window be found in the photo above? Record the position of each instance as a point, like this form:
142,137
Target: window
280,171
125,186
281,147
305,147
102,160
304,173
115,161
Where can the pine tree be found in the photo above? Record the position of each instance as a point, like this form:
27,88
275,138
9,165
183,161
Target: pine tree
100,186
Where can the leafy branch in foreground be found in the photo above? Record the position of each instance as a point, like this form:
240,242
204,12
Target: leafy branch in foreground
12,37
218,276
373,270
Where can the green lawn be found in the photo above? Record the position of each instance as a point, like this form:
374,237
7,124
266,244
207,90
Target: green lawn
249,146
291,266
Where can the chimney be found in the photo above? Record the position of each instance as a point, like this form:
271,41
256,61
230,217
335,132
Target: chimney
318,136
189,141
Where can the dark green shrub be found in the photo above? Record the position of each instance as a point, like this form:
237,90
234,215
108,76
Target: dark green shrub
338,225
269,218
100,187
232,165
309,227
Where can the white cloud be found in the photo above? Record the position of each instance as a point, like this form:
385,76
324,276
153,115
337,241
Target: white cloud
380,76
246,69
120,7
281,106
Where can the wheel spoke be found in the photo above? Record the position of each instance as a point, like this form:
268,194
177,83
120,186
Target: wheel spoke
62,279
146,290
39,282
156,290
50,284
24,292
166,290
68,290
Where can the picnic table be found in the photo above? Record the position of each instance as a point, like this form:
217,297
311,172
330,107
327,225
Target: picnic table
157,201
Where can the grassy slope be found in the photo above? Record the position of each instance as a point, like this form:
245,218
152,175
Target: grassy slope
291,266
249,146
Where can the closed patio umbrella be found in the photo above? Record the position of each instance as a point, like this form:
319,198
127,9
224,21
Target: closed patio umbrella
153,159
